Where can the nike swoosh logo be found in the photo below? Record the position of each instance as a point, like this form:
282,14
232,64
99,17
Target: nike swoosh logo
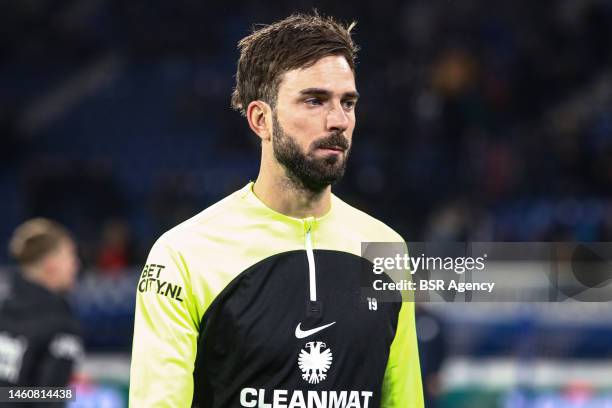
300,334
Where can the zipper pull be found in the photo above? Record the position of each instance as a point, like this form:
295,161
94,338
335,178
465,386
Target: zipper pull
308,223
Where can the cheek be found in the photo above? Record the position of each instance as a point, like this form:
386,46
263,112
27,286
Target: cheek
351,126
305,132
303,124
348,133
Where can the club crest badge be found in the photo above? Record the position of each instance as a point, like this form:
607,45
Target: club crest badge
314,361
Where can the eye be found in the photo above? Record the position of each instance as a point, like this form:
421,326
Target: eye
349,104
313,101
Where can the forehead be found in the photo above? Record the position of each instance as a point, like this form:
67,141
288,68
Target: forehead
332,73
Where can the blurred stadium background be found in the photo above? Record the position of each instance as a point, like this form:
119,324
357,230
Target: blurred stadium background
484,121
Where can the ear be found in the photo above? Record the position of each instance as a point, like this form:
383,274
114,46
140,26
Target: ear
259,115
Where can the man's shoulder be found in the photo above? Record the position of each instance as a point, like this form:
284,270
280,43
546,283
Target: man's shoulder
371,228
212,218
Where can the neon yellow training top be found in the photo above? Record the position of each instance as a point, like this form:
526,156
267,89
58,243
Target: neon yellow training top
242,306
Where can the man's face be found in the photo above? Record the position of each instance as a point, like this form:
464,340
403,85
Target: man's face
63,265
313,122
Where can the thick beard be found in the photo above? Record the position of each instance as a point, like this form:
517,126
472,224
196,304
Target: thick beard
305,171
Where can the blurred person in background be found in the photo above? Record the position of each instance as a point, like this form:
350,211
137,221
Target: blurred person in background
115,252
433,351
40,339
256,300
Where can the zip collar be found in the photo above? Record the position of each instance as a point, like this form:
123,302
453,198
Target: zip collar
250,196
307,227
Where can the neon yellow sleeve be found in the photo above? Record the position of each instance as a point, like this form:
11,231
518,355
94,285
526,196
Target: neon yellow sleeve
165,333
402,383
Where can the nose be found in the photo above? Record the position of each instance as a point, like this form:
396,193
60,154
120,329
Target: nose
337,118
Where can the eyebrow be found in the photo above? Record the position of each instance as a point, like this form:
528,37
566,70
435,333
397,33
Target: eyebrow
321,91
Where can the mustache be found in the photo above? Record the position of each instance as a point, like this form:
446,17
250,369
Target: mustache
335,140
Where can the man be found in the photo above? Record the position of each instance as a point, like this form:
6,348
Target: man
39,336
255,302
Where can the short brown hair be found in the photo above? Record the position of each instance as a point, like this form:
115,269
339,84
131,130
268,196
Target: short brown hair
36,238
297,41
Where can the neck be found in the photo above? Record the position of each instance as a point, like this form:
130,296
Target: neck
36,275
280,193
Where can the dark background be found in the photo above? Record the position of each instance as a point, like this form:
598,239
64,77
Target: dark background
478,120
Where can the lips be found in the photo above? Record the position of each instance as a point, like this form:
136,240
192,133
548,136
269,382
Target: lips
333,148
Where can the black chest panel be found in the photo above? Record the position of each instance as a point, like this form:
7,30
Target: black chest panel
248,335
